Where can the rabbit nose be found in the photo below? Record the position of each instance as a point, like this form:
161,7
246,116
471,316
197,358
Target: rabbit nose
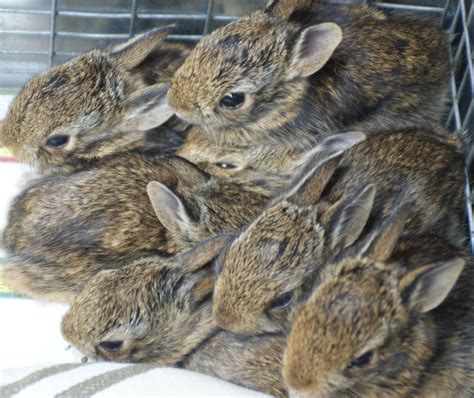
297,382
224,318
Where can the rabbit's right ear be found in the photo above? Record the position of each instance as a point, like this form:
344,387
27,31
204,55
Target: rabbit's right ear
202,254
146,109
313,49
350,218
380,244
169,208
133,52
318,167
427,287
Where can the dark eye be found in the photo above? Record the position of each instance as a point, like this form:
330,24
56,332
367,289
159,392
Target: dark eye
233,100
111,346
362,360
57,141
225,165
281,302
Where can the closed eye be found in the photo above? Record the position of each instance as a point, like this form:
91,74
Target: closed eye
111,346
361,361
281,302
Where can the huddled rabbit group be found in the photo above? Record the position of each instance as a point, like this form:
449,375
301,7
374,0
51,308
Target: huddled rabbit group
279,206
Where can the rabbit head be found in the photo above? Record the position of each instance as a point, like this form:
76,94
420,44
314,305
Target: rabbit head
281,250
155,310
365,329
95,104
241,74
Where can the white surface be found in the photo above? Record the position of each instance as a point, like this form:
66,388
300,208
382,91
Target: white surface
4,102
156,382
30,334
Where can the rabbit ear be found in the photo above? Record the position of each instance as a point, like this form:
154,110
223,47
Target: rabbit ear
380,244
133,52
318,167
314,48
146,109
427,287
284,8
350,218
200,286
202,254
169,208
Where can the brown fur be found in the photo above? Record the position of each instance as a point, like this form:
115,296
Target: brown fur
326,207
160,312
364,304
388,72
64,229
266,168
99,100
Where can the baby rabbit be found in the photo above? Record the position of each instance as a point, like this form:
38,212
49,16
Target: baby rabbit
99,103
263,167
64,229
325,209
386,325
158,310
299,69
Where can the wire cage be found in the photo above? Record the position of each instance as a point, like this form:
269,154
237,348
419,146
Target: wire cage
36,34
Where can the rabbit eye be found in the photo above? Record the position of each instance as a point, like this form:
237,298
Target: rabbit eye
226,165
362,360
281,302
111,346
232,101
57,141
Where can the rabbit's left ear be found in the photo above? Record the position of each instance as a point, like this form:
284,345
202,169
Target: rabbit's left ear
284,8
170,209
313,49
427,287
318,167
350,218
200,285
133,52
146,109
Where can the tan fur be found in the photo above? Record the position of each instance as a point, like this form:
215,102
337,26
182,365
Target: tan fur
64,229
151,307
288,243
361,305
385,67
92,99
265,168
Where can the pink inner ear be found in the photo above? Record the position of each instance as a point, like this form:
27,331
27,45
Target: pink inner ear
314,42
172,203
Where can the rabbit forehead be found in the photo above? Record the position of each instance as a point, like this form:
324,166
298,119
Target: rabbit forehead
346,316
276,241
272,256
72,92
128,299
247,50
